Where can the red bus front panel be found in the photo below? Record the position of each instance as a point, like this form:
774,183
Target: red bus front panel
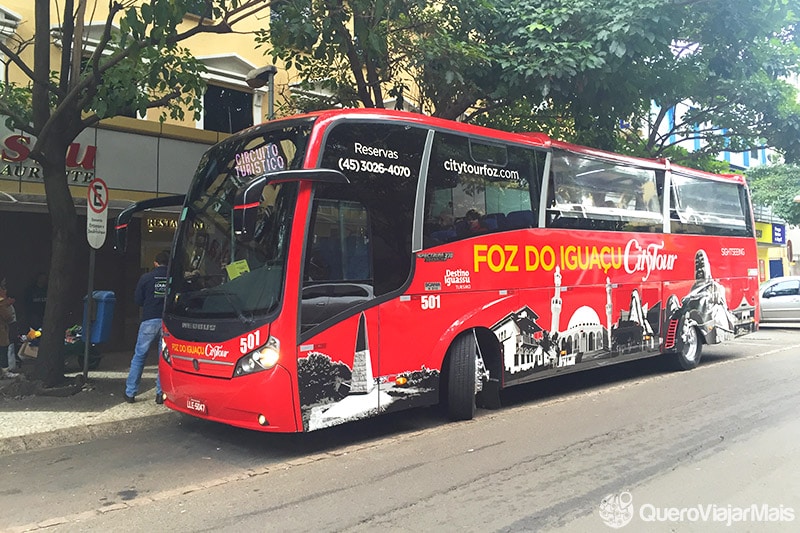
238,402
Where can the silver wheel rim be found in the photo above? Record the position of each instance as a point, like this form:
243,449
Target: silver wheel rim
689,343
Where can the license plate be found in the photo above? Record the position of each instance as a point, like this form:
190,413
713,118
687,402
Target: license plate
196,405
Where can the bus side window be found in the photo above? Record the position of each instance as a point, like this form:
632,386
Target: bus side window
502,198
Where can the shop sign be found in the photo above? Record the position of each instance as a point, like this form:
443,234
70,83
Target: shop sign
778,234
15,162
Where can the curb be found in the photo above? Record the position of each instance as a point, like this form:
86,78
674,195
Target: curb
79,434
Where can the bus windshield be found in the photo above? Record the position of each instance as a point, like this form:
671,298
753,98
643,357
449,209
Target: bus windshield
213,274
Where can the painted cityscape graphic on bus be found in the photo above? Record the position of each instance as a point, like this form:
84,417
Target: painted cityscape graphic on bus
529,348
332,393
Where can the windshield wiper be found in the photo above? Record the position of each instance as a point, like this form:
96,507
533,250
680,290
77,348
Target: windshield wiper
247,320
189,298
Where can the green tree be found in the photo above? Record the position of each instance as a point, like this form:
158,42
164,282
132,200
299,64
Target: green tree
138,63
576,70
728,58
344,52
775,187
458,56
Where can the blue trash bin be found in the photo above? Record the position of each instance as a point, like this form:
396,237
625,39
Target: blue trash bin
102,316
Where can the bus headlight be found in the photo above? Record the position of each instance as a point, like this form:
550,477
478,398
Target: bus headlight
260,359
165,351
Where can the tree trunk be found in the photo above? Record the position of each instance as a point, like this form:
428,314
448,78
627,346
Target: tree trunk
63,264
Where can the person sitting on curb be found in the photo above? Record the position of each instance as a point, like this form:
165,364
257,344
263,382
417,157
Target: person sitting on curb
149,295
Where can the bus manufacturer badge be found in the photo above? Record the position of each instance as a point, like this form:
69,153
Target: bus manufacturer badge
436,257
433,286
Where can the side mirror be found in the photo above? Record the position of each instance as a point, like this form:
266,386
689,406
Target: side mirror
248,197
245,207
124,218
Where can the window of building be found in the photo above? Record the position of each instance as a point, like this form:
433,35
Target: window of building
8,27
229,105
227,110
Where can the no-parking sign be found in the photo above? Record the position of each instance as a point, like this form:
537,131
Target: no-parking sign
96,213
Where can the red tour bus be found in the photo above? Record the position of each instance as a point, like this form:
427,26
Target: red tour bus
334,266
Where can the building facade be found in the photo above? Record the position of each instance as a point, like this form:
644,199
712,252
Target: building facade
137,157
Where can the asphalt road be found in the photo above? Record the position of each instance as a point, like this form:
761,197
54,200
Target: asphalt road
713,449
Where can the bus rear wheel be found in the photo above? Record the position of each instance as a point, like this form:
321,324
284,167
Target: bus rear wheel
688,357
461,378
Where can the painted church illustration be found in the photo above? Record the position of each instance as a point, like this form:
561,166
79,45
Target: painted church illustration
527,347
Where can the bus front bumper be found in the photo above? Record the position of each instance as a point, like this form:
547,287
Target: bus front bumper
263,401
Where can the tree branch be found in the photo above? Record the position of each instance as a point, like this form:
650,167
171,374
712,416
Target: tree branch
14,58
243,11
81,93
20,121
93,119
230,18
41,63
67,33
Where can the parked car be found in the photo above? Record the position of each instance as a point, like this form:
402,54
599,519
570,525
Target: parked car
780,299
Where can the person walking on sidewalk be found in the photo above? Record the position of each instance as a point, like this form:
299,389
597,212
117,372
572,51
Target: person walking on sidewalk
149,295
7,316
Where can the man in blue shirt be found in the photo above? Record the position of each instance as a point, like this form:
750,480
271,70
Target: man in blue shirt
149,295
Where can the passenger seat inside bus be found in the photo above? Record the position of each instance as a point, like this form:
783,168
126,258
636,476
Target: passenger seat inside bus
357,258
495,221
520,219
330,253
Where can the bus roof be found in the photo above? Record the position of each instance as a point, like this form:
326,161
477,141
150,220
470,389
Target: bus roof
657,164
326,117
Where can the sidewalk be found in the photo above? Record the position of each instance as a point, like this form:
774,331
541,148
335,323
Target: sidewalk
30,422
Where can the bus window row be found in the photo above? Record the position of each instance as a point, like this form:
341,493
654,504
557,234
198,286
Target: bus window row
584,193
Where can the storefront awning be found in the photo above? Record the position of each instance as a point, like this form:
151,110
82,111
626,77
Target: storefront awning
37,203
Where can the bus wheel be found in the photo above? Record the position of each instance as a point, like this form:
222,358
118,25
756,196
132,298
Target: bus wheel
689,355
461,378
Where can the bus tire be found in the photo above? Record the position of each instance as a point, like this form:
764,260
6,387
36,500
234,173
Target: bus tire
688,357
461,379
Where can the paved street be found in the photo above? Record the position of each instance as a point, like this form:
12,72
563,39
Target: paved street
718,439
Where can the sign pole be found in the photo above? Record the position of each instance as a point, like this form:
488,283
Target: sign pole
87,323
96,226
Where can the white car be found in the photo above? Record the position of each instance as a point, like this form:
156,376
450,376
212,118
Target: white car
780,299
